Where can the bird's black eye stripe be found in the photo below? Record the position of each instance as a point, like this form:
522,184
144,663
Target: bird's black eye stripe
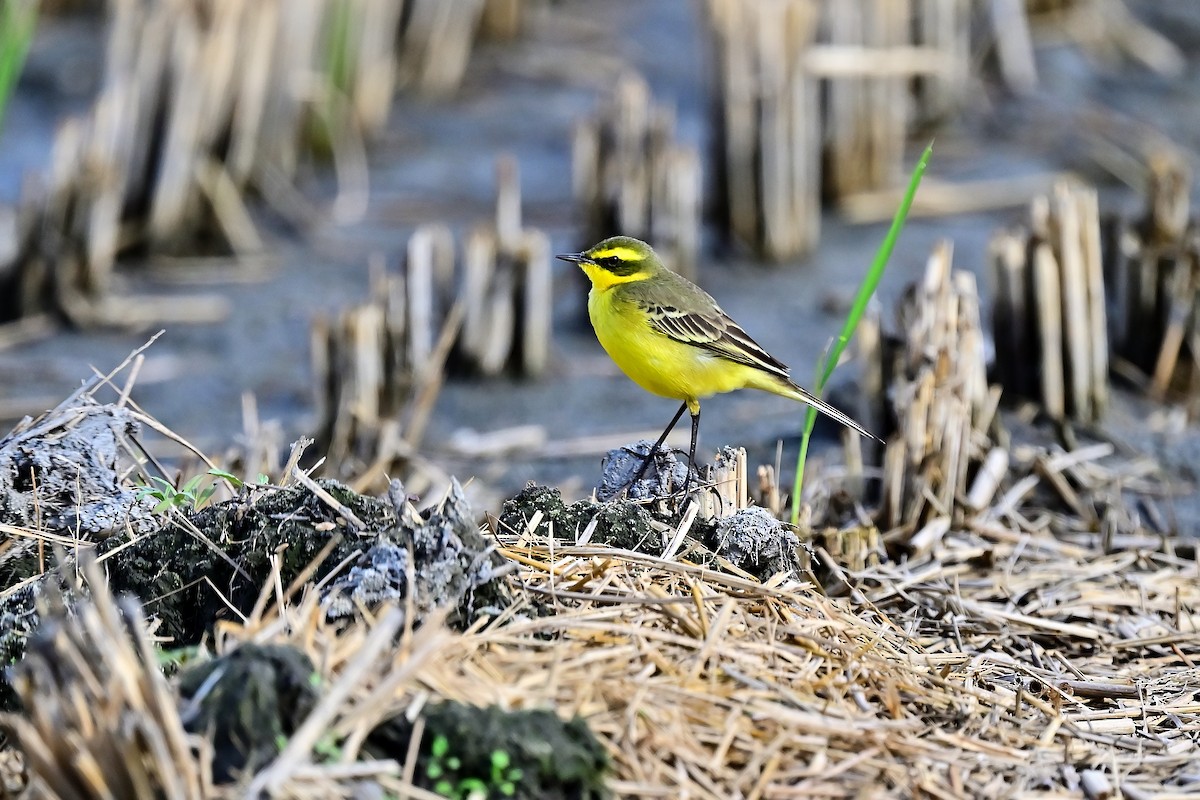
612,264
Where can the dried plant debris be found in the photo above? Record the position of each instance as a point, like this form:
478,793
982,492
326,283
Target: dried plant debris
1001,658
1004,663
202,107
384,360
1037,632
1048,318
1152,273
99,719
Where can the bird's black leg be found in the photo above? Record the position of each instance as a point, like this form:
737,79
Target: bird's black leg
691,465
653,450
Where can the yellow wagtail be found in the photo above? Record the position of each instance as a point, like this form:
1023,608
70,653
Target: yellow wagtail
672,339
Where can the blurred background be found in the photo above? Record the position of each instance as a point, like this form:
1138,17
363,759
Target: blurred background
343,213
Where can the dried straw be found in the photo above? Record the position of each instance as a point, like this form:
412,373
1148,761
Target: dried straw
1023,649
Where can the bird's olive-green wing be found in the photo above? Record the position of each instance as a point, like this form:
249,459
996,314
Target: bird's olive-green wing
686,313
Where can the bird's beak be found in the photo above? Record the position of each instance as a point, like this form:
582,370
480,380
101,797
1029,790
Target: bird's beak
575,258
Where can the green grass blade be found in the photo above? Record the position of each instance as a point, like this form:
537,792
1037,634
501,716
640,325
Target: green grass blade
857,309
339,57
18,19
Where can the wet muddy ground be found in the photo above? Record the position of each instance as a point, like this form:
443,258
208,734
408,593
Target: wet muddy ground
436,162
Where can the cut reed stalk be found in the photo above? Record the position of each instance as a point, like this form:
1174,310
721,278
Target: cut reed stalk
1153,267
632,177
1049,315
939,396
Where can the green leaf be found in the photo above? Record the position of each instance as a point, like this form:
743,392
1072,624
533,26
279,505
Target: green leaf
234,480
18,22
857,310
190,486
440,746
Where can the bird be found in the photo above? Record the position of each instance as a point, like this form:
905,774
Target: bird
670,337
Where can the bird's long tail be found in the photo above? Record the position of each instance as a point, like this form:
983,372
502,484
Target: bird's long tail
800,393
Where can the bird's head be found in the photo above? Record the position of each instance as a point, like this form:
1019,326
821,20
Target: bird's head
618,259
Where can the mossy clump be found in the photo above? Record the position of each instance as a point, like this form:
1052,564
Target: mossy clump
531,755
200,564
204,566
752,539
249,702
619,523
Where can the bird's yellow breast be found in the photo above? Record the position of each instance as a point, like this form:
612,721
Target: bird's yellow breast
659,364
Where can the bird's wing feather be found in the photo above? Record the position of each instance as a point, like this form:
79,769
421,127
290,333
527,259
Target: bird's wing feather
686,313
715,332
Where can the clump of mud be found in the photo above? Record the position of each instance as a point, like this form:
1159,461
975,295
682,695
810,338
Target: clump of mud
621,523
751,539
439,557
232,546
663,477
755,542
252,700
192,569
61,474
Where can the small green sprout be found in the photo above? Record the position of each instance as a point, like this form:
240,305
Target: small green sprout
189,497
443,769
